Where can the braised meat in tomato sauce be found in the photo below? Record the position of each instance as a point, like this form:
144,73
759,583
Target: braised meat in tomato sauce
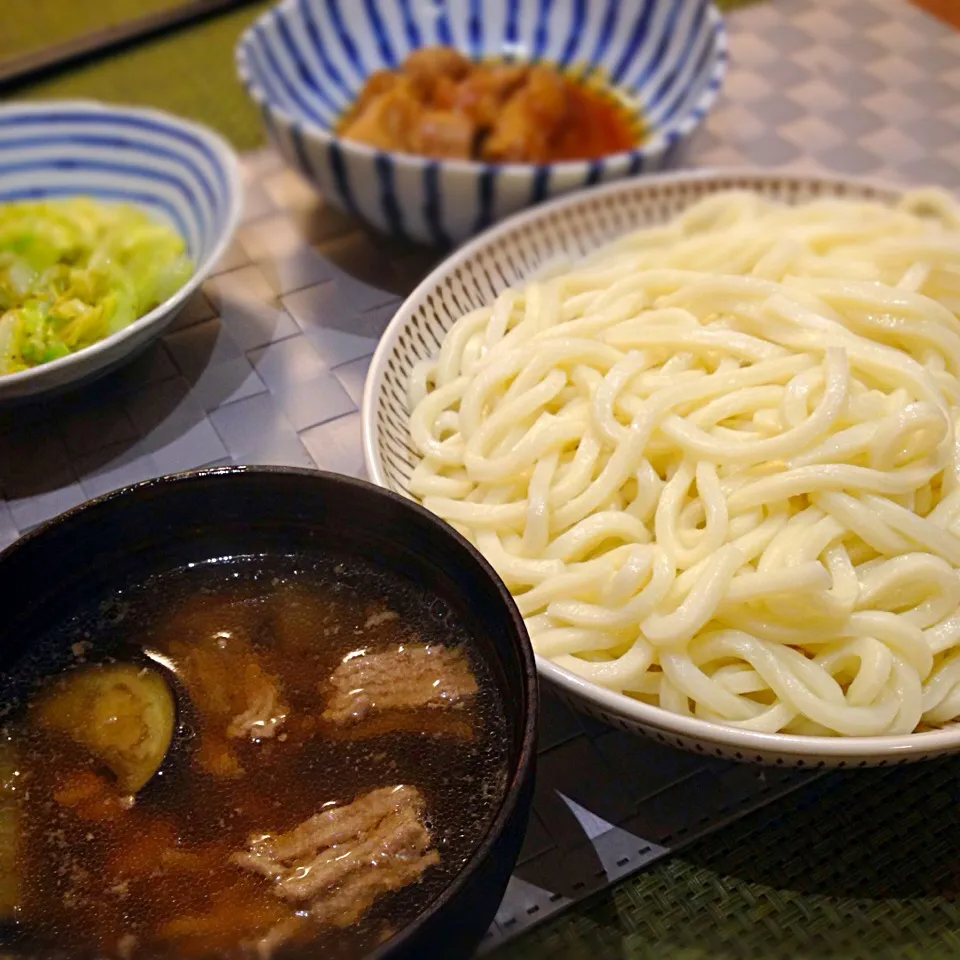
440,104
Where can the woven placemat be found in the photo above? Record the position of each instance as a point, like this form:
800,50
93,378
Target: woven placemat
859,865
189,72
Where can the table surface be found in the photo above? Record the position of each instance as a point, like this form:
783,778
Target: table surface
267,364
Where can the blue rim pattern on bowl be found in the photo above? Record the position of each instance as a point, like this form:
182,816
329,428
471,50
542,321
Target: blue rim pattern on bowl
178,171
304,61
49,151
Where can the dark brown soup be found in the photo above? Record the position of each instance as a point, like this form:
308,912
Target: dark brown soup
337,749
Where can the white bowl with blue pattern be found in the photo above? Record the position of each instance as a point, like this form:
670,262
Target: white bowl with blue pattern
305,61
177,171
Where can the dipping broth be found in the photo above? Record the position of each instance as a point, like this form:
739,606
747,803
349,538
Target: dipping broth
337,750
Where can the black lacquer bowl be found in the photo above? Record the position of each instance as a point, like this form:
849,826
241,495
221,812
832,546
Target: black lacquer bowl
163,524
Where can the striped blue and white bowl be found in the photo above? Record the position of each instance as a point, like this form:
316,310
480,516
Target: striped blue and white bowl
305,61
178,171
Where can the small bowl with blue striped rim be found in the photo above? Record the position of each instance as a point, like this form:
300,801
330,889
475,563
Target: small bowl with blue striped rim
305,61
179,172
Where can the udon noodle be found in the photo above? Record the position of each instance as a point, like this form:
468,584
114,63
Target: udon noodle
717,462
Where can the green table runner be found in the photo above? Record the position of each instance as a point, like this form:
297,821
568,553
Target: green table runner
189,72
860,865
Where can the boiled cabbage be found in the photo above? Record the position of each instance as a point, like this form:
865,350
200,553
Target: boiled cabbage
75,271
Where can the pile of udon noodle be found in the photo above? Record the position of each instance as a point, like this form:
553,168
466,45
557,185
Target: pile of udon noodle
716,462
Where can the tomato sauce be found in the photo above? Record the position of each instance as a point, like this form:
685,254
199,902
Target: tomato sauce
440,104
595,125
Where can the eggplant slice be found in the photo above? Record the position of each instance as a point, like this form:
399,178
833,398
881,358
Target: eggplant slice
123,714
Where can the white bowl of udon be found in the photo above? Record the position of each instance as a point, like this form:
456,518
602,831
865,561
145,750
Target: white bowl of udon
704,425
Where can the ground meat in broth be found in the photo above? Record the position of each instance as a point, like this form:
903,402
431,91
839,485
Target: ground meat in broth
341,859
234,696
425,722
410,676
101,877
